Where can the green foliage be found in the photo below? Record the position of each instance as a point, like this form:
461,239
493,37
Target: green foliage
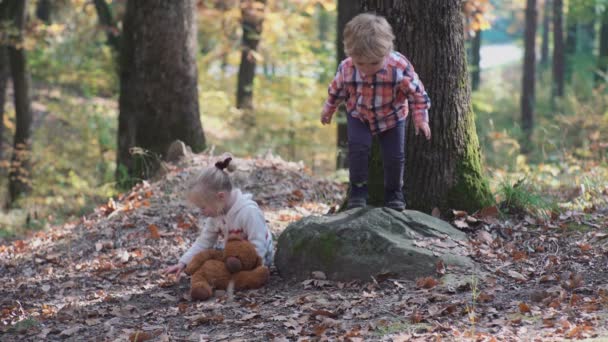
524,197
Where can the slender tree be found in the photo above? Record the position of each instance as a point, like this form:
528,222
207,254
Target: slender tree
603,51
158,84
544,50
20,168
252,19
347,9
447,171
528,79
558,49
108,23
43,10
4,75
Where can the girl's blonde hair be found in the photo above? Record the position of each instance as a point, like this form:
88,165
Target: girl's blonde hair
368,36
215,178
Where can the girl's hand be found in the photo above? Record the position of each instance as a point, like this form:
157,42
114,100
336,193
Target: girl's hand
424,127
326,118
177,269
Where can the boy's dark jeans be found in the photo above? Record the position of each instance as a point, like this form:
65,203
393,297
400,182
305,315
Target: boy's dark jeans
392,145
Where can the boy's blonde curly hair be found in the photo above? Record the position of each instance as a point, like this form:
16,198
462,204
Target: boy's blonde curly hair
368,36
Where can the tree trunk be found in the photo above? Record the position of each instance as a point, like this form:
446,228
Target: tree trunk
528,79
475,60
252,12
558,49
19,173
347,9
4,75
43,11
544,50
158,84
602,65
108,24
445,172
572,26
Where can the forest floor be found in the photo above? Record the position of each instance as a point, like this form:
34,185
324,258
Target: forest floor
99,279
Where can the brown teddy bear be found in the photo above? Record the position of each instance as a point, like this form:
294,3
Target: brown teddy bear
214,269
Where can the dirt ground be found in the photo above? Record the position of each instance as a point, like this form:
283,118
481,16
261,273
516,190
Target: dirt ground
98,279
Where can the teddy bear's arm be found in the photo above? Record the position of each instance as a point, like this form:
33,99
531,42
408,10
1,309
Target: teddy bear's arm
200,259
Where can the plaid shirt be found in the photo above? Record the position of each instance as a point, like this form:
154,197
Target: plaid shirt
381,99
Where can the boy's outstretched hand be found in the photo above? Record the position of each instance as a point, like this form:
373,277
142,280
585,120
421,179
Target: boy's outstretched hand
326,118
177,269
424,127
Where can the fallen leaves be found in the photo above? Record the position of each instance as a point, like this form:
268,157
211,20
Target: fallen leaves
426,283
154,234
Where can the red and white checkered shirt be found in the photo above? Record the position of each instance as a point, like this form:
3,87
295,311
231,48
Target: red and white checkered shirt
381,99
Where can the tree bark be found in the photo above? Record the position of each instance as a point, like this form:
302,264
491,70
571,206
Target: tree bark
475,60
602,65
107,22
528,79
158,84
19,173
445,172
544,50
347,9
572,26
252,12
43,11
558,49
4,75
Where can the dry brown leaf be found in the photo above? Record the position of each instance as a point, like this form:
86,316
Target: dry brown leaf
426,283
489,212
416,317
154,234
140,336
459,213
523,307
440,267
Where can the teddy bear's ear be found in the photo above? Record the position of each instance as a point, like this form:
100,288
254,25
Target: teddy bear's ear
234,238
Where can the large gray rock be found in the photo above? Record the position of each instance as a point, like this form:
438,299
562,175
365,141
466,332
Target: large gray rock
360,243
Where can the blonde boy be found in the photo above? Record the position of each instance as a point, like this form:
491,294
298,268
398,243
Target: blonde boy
380,89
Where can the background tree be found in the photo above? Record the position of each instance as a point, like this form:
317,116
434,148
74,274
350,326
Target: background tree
445,172
20,168
603,50
558,49
347,9
529,75
158,83
252,19
43,10
477,15
544,50
108,24
4,74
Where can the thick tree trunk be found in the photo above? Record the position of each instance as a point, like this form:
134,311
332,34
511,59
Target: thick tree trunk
158,83
19,173
528,79
603,52
43,11
252,12
475,60
107,22
558,49
4,75
445,172
544,50
347,9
